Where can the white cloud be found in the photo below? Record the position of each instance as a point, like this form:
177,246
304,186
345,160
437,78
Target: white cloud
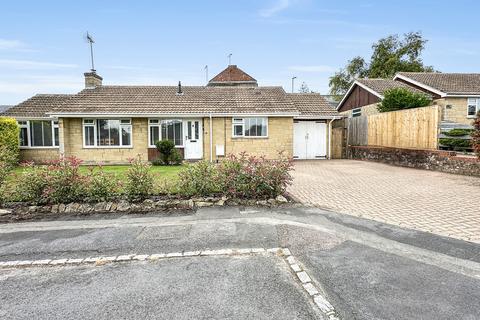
6,44
278,6
317,68
29,64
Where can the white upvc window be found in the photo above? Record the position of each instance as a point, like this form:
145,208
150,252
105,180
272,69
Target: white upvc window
107,133
38,133
357,112
165,129
473,107
256,127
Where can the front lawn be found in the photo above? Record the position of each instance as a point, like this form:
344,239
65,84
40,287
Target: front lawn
166,172
165,181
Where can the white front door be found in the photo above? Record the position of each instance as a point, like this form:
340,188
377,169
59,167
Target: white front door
193,139
309,140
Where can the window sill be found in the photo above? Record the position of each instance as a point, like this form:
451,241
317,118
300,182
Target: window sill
235,137
471,117
108,147
38,148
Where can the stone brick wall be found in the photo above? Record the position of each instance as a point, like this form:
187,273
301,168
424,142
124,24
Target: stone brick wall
444,161
367,110
457,112
71,132
39,155
280,138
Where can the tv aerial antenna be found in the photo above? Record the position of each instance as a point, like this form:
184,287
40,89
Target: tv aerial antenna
90,41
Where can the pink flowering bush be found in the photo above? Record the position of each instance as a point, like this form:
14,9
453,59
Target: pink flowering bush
245,176
238,176
199,179
140,181
101,185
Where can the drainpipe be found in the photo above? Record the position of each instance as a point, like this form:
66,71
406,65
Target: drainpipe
211,137
330,139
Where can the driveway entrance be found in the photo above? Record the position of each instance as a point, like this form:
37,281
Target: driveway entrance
430,201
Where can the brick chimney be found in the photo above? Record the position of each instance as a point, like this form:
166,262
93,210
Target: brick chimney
92,80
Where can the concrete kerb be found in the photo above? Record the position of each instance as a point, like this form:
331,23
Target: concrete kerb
301,275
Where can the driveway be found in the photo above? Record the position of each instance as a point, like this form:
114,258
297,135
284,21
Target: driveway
435,202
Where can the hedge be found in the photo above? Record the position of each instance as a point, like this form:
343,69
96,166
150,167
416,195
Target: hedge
9,132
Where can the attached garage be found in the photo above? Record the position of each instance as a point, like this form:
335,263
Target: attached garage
309,139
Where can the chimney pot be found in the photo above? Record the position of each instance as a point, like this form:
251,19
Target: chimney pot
179,91
92,80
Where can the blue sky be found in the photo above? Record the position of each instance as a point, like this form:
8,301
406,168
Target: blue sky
160,42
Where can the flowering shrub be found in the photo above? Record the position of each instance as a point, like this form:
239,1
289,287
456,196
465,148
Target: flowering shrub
246,176
64,181
199,179
101,186
241,176
139,182
32,183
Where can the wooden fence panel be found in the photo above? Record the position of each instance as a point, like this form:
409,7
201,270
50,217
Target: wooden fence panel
357,131
412,128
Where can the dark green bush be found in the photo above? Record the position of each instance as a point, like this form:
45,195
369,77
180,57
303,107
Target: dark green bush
401,98
456,144
458,132
168,153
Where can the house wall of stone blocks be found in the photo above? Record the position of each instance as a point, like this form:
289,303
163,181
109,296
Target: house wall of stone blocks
454,110
280,138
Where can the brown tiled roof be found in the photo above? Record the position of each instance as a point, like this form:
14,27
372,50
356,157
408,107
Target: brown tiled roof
165,100
450,83
232,74
312,104
382,85
37,106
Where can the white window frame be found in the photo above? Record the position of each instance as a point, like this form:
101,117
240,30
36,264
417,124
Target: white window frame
240,121
158,124
356,112
26,124
476,103
95,138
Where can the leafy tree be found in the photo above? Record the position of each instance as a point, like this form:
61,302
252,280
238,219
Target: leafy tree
304,88
390,55
402,98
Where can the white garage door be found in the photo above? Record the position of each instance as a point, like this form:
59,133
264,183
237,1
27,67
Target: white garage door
309,140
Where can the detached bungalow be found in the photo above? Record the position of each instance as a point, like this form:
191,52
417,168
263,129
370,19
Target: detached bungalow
457,93
231,114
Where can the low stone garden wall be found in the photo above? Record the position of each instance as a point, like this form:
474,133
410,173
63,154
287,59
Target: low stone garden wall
436,160
22,211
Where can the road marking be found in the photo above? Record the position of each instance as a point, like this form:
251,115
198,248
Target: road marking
302,276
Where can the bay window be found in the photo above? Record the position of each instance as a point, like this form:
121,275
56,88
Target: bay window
250,127
473,107
107,132
38,133
165,130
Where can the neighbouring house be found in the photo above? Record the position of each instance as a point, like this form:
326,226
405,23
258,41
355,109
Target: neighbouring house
364,95
4,108
231,114
458,94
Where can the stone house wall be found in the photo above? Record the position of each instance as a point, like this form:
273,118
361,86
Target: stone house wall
456,110
280,138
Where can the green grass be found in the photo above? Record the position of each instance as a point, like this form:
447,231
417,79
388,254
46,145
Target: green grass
165,176
119,171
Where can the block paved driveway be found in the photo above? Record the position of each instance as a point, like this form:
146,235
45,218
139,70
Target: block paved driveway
435,202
